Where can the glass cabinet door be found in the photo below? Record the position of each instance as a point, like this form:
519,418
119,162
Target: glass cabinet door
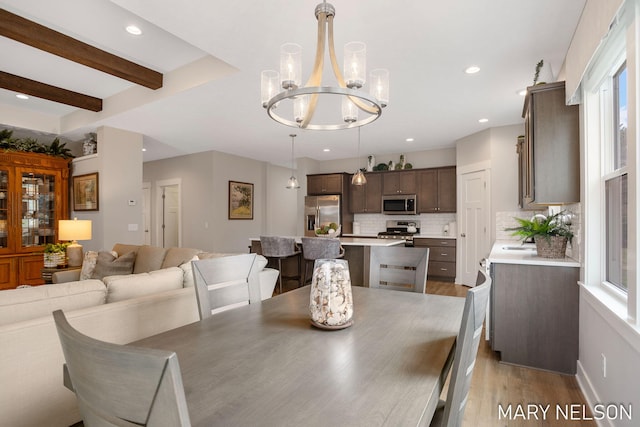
38,209
4,208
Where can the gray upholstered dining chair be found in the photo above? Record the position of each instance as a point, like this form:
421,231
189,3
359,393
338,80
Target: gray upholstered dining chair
121,385
449,413
399,268
279,248
314,248
225,282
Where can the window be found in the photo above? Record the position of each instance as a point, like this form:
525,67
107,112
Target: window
616,184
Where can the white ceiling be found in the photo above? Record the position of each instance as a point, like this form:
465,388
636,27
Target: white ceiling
212,53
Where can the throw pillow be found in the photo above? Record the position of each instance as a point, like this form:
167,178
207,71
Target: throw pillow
108,265
89,264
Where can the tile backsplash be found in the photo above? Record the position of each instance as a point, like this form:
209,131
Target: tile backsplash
429,223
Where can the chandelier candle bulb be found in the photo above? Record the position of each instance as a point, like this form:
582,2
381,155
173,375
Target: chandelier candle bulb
270,80
290,65
355,64
379,81
349,111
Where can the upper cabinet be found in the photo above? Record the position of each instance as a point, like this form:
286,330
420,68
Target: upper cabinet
325,184
399,182
367,198
550,154
437,190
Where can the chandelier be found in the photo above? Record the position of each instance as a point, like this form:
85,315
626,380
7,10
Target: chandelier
282,93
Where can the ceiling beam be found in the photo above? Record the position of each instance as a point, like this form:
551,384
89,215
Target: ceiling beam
33,34
52,93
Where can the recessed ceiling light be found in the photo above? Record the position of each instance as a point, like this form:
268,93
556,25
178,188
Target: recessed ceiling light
483,120
144,149
132,29
22,96
326,150
472,69
409,140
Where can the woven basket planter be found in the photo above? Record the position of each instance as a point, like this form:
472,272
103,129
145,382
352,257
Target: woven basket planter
551,246
53,259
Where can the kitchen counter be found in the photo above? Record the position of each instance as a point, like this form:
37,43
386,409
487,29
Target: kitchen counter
426,236
528,255
354,241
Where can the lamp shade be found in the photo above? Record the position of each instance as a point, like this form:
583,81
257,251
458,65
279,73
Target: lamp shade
74,229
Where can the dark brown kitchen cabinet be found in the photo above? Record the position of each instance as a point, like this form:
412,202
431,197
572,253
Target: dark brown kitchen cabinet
399,182
442,257
437,190
534,315
325,184
551,147
367,198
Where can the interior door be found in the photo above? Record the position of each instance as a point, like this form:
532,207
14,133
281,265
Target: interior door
170,218
472,233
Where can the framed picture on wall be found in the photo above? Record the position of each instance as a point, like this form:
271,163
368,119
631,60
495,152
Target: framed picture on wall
85,192
240,200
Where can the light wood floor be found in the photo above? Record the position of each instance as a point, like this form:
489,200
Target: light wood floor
497,383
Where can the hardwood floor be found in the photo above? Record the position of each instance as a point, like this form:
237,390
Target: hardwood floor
495,383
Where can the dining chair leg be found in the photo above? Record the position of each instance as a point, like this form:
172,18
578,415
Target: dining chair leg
280,275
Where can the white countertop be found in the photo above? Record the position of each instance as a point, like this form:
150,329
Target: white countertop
357,241
427,236
528,255
369,241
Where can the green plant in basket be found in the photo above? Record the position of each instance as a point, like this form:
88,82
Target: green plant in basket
53,248
543,226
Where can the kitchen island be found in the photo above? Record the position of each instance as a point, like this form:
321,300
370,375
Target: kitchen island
357,253
534,308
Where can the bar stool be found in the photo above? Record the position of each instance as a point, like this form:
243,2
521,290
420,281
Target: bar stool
314,248
278,248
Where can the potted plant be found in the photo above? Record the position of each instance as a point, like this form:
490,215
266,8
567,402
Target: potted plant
55,254
550,233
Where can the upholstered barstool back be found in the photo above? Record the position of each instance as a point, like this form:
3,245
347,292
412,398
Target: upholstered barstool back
278,248
314,248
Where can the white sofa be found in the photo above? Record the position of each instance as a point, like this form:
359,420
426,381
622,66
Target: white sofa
121,309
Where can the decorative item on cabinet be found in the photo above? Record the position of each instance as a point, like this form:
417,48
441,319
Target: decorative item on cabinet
371,163
90,144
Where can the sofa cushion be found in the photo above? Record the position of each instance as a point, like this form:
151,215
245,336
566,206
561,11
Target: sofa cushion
129,286
122,249
108,265
178,256
149,258
187,273
17,305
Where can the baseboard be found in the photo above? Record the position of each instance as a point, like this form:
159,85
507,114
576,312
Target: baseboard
589,393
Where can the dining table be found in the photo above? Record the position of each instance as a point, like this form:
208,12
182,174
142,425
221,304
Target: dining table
266,365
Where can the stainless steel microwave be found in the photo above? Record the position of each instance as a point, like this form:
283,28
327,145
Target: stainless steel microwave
399,204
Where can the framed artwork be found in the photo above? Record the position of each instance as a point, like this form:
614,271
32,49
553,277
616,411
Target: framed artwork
240,200
85,192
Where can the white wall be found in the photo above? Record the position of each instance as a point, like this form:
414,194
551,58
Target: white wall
205,190
119,166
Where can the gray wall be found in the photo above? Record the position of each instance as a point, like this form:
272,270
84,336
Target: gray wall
204,184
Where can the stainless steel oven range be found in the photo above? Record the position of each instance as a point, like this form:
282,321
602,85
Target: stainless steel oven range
404,230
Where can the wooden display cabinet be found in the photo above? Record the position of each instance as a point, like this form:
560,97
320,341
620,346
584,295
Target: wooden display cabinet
34,192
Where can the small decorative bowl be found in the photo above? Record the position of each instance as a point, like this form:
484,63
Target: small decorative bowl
335,234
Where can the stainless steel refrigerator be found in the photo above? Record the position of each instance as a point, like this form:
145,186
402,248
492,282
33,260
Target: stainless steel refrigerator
320,211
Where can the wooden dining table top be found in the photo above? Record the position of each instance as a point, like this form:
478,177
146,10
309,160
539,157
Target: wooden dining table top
266,365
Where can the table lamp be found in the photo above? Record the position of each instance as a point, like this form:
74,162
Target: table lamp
74,230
